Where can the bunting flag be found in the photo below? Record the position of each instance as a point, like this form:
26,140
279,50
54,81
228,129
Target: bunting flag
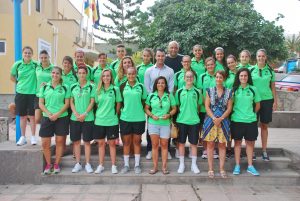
87,7
96,15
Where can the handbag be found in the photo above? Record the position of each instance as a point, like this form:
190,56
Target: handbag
174,131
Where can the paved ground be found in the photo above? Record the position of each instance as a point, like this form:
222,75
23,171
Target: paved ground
147,193
279,138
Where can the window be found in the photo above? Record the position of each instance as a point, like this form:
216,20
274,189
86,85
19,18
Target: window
2,47
38,5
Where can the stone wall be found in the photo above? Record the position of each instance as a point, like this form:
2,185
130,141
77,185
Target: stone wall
4,129
288,101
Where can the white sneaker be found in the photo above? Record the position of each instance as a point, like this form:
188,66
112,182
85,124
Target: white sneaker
216,156
180,169
21,141
114,169
88,168
77,168
169,156
99,169
204,155
33,140
195,169
176,153
149,155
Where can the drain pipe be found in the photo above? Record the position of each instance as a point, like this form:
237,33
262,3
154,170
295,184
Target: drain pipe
55,44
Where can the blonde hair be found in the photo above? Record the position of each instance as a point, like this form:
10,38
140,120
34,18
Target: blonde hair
120,73
100,84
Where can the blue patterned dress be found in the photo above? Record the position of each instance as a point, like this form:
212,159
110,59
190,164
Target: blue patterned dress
218,106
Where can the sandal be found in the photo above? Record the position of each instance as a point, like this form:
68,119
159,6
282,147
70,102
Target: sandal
211,174
223,174
153,171
165,171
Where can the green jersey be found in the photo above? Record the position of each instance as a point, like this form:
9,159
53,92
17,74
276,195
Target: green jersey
262,80
141,69
54,98
219,66
230,80
70,78
160,107
106,100
241,66
115,65
179,79
81,98
188,102
97,72
244,104
43,76
198,66
133,109
25,76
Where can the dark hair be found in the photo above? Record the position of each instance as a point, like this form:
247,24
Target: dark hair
27,47
121,45
237,81
69,59
102,54
83,68
221,72
44,52
79,51
156,82
160,50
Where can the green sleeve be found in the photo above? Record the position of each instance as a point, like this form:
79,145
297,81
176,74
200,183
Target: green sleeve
116,81
41,92
118,95
176,98
96,97
71,94
200,101
68,93
113,73
148,100
257,96
144,95
13,70
172,100
273,76
175,79
93,91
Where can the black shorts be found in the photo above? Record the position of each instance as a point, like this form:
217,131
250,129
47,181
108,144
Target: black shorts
24,104
202,117
137,128
36,103
265,112
190,131
60,127
109,132
85,128
248,131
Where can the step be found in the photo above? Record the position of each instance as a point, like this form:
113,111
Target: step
119,150
282,177
277,162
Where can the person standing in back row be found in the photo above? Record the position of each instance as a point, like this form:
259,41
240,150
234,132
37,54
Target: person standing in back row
173,59
121,52
264,80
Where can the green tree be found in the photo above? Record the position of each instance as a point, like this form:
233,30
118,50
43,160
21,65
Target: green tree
293,44
231,24
120,13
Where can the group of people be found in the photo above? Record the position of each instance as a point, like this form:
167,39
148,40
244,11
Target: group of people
212,100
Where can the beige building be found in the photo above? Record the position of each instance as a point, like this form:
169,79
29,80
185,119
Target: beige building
53,25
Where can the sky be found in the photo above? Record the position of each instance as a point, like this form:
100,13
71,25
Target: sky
269,9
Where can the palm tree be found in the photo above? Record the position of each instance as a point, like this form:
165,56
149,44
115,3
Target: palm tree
293,44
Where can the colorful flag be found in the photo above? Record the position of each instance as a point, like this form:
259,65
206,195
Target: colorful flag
96,16
87,7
